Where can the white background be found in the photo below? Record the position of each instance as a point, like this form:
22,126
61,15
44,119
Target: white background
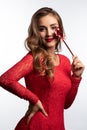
15,17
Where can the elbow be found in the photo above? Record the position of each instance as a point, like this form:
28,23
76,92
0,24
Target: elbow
5,81
67,106
1,81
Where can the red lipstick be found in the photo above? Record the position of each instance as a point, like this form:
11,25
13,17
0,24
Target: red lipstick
49,39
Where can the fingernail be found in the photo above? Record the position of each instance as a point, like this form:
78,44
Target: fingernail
46,114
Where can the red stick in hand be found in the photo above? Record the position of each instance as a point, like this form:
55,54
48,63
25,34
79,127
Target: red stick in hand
59,34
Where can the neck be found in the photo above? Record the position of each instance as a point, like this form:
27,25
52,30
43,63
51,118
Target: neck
53,56
51,51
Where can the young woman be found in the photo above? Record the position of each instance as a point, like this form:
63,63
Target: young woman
51,80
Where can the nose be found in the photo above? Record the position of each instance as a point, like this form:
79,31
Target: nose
49,32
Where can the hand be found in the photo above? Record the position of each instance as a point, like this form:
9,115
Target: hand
34,108
77,67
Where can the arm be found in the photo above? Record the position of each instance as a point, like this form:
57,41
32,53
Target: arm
73,92
9,80
77,70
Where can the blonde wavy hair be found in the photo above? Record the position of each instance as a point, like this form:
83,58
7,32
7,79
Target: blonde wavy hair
34,43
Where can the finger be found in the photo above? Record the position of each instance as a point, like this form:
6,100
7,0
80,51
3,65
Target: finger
75,60
41,108
77,65
74,57
44,112
29,117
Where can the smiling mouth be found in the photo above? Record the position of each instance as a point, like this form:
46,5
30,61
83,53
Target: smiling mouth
49,39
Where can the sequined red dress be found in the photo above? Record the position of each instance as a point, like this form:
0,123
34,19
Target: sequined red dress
55,95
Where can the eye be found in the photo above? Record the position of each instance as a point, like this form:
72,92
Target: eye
54,27
42,28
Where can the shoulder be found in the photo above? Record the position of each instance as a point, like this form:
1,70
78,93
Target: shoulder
26,60
65,61
28,57
64,58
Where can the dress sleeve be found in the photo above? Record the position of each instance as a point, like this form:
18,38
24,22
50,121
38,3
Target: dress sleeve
73,92
9,80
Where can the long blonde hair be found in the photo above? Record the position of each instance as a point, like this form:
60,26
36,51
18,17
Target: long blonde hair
42,62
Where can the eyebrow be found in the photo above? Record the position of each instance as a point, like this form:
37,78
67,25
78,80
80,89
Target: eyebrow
54,24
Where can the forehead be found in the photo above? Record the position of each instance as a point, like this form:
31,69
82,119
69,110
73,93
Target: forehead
48,20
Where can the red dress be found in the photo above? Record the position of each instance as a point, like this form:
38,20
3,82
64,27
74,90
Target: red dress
55,95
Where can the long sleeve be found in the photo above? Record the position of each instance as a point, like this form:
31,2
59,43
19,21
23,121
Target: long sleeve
73,92
9,80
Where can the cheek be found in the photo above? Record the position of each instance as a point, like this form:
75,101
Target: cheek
42,35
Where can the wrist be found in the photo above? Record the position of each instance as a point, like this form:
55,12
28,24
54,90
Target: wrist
76,76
